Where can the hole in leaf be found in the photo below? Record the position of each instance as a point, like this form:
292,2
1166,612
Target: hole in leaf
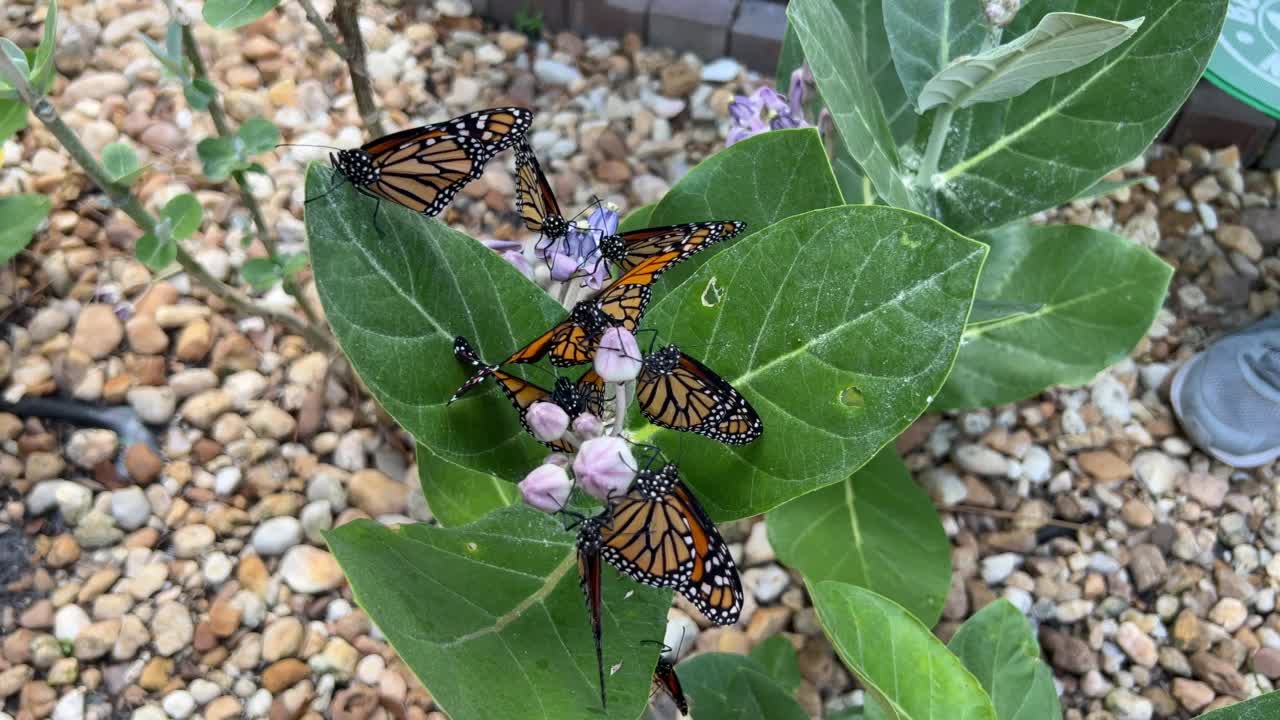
905,241
852,397
711,294
472,547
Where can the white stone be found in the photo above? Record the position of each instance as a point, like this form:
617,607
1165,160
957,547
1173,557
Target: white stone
204,691
130,507
316,518
217,568
179,704
226,480
721,71
275,536
70,706
1111,398
259,704
1158,472
997,568
68,622
766,583
72,500
155,405
1037,465
981,460
553,72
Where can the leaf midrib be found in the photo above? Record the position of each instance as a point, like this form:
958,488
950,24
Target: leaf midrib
1054,109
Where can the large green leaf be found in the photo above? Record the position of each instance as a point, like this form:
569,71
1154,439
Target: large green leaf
1008,159
638,218
838,325
121,163
722,686
833,52
458,495
42,67
491,619
1061,43
998,646
1095,295
396,292
230,14
22,215
907,670
925,35
1263,707
777,658
759,181
877,529
13,117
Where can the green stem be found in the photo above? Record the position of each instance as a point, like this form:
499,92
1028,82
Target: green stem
122,198
347,19
937,139
219,116
326,34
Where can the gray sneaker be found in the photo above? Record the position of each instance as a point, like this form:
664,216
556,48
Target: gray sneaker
1228,397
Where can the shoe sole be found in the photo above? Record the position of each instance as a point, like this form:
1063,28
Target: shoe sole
1252,460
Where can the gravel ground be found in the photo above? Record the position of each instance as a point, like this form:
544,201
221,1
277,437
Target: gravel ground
192,581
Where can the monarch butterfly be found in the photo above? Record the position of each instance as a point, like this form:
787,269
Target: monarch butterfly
573,340
587,395
422,168
628,249
665,679
659,534
678,392
589,543
535,202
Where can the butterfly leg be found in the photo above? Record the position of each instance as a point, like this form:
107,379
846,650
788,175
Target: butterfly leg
337,183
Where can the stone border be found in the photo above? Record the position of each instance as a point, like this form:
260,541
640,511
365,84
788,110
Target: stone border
750,31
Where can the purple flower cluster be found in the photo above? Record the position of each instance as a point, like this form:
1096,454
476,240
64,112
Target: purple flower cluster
766,109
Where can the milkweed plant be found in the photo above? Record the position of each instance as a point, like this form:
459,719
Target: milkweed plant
889,267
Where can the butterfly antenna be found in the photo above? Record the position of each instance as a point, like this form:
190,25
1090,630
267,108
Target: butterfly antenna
327,147
337,183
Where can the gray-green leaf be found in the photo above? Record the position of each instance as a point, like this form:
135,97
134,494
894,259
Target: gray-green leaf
1061,43
155,253
183,213
230,14
876,529
838,325
1097,295
925,35
121,163
260,273
22,215
396,295
999,648
836,61
721,686
777,659
1008,159
199,93
217,157
259,135
19,59
491,619
907,670
1263,707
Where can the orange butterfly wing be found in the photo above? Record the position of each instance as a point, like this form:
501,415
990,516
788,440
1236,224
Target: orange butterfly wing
535,202
688,239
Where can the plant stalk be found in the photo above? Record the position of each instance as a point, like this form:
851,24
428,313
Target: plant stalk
122,198
219,116
933,152
330,40
619,408
347,18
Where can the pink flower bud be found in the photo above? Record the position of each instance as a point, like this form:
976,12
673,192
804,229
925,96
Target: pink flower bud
588,426
558,458
605,466
618,357
546,488
547,421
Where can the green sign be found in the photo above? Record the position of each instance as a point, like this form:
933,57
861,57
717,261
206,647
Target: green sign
1246,62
